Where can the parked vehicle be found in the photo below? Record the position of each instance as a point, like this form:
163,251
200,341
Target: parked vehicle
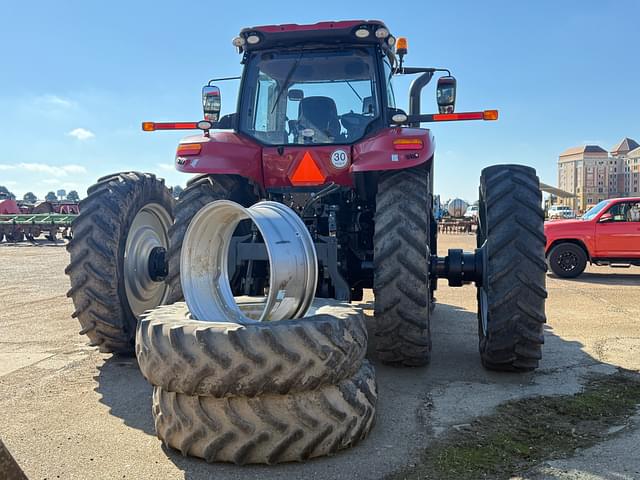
607,234
471,212
560,211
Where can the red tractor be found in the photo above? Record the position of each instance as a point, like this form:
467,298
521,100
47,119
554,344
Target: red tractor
317,128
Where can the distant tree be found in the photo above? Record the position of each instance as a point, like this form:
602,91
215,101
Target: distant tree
5,193
177,190
73,196
29,197
51,197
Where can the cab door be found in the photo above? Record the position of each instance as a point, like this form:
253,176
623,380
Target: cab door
618,231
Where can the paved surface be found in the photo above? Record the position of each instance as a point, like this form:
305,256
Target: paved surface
614,459
67,411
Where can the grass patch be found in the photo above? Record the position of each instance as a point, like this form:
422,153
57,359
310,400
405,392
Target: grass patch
524,432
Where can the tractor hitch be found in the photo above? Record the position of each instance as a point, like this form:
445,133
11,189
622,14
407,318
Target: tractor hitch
459,267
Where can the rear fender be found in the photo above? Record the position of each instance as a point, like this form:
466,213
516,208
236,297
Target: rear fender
379,153
225,153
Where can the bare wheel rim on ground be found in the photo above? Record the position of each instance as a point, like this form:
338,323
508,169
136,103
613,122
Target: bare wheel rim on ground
204,269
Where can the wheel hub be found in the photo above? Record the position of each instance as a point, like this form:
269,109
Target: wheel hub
567,261
158,266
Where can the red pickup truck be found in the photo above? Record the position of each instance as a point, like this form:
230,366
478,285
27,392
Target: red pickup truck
608,234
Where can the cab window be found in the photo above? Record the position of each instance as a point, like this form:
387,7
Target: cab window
625,212
388,73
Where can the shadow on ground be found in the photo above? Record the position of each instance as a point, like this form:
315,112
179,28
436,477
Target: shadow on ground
125,391
612,279
414,404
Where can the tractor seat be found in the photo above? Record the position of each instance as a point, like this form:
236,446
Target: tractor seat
321,115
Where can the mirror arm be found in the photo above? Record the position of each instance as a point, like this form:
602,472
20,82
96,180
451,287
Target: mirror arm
222,79
413,70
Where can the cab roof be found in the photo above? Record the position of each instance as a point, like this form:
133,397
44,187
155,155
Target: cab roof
323,33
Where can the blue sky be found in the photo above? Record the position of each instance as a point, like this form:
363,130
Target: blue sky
79,77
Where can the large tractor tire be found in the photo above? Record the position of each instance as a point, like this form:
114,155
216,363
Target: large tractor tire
401,274
200,191
511,313
270,428
117,264
222,359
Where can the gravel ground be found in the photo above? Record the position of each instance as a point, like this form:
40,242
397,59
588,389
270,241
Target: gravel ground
68,411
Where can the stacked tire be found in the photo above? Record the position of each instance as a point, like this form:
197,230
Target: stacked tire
266,392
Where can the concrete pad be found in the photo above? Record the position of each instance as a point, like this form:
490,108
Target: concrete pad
10,362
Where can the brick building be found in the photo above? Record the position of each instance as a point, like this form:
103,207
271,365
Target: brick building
592,174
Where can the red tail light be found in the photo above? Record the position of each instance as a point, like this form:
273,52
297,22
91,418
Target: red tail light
408,144
186,149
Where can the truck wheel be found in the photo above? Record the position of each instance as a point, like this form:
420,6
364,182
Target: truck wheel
567,260
511,299
221,359
270,428
117,264
200,191
401,275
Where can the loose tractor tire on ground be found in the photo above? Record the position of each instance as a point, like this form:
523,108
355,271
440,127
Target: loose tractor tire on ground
316,129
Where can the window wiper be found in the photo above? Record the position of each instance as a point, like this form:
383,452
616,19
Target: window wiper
354,91
286,81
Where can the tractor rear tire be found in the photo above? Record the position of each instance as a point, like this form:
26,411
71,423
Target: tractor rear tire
271,428
200,191
222,359
511,312
401,273
107,313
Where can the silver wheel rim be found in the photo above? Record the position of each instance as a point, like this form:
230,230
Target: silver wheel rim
204,271
149,229
484,298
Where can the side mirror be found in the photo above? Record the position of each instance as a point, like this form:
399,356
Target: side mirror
211,103
295,95
606,217
446,94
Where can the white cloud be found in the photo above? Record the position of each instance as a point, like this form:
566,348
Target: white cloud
53,170
81,133
50,181
54,101
166,166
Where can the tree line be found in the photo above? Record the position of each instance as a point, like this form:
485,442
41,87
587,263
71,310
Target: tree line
31,197
72,195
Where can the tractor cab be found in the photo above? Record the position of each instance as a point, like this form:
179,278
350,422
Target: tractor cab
332,87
